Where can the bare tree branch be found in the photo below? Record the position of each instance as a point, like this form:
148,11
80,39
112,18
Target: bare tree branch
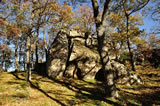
96,10
105,10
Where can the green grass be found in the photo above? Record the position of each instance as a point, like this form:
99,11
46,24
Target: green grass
43,91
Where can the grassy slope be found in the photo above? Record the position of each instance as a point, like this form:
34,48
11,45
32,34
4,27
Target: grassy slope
42,91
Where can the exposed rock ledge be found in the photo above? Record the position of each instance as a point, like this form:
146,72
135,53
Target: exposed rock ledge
69,57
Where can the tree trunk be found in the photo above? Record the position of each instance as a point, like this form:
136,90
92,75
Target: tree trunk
3,60
28,72
46,44
20,54
24,62
6,63
129,45
36,50
16,58
46,53
5,66
32,62
1,65
6,58
110,87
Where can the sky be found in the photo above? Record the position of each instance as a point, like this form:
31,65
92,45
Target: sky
149,23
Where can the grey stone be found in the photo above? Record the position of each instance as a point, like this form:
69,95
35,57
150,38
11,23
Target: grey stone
85,62
56,62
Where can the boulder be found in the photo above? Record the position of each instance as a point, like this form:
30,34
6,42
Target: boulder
124,76
83,62
69,57
57,57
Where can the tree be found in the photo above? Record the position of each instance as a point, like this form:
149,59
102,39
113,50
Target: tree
100,21
155,10
118,34
85,22
84,18
153,41
5,57
130,7
155,15
10,29
101,9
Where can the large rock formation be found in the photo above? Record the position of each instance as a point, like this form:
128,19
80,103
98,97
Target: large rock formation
83,62
56,62
70,57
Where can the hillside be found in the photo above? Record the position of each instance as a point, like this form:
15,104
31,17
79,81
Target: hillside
43,91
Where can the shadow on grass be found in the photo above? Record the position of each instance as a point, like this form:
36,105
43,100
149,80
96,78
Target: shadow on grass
154,80
13,82
145,99
16,75
151,75
84,93
37,87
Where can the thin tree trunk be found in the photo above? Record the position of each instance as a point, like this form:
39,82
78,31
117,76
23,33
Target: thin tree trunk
139,7
20,54
129,45
36,50
32,62
28,72
5,63
3,60
16,57
24,61
44,36
46,44
1,65
6,58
